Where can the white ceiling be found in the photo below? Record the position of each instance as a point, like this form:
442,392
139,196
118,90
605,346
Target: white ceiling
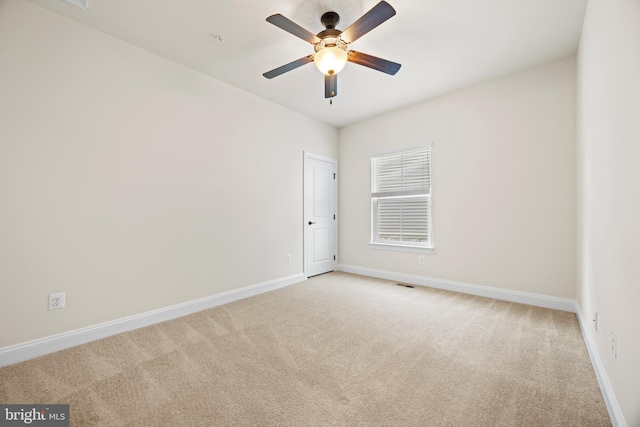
443,45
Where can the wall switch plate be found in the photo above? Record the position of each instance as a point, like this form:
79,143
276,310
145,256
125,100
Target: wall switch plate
56,301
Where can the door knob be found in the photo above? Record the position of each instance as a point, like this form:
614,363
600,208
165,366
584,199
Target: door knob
311,222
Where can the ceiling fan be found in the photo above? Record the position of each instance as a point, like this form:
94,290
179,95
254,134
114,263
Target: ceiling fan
330,45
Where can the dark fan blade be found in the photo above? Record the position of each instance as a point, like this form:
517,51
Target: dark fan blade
293,28
373,62
330,85
367,22
288,67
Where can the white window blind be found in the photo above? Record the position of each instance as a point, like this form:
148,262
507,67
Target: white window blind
401,198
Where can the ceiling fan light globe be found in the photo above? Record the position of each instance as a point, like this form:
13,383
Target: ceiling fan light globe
330,60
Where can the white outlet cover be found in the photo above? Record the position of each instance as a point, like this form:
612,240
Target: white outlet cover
80,3
56,301
614,345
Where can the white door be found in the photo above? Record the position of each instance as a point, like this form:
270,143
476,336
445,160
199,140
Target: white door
320,222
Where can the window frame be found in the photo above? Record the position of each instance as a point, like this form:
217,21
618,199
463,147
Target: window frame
426,247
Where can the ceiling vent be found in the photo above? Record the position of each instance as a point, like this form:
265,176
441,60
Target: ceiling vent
80,3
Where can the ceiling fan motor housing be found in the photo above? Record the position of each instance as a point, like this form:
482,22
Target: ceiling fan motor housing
330,35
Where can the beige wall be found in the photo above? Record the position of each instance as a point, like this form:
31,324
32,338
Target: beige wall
609,190
132,183
503,183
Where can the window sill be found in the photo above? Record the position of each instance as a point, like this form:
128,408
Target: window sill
401,248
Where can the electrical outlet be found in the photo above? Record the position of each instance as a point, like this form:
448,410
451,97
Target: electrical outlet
420,259
614,345
56,301
595,321
288,257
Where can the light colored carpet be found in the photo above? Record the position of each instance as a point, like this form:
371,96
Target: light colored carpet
338,349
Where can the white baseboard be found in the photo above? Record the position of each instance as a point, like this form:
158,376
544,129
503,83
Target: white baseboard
40,347
466,288
615,412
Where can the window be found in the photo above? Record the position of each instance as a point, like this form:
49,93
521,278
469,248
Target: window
401,200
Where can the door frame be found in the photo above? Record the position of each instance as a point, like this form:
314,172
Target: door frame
305,219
